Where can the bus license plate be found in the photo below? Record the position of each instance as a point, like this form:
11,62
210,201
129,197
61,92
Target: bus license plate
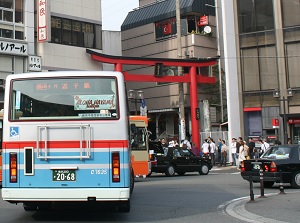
63,175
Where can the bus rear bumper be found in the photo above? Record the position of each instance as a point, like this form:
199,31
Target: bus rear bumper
15,195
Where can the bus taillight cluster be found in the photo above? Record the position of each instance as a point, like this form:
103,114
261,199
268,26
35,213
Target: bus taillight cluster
116,167
13,167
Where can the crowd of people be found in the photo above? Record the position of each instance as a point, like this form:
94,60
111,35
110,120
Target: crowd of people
218,152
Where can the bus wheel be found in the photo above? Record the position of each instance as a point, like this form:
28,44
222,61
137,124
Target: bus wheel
131,181
28,207
124,206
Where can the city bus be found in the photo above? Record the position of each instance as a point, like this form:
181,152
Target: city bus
1,124
66,139
140,148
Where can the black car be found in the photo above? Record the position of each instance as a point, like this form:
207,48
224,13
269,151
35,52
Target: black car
281,158
179,160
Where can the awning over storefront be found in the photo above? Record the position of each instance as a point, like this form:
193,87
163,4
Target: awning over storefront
163,110
164,10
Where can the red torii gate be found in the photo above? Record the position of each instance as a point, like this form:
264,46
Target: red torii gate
191,78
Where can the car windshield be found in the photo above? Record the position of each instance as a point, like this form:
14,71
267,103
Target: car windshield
277,153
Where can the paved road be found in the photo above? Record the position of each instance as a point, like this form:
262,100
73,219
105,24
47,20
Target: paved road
191,198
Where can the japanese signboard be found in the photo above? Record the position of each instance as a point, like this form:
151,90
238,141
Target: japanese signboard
13,48
203,21
34,63
275,123
94,102
42,20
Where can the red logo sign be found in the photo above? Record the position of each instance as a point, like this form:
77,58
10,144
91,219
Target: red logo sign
167,29
203,21
294,121
275,122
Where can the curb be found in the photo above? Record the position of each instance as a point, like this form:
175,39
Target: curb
236,209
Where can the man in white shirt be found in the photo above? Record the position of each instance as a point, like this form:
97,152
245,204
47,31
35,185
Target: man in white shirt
263,146
233,151
267,145
212,147
205,147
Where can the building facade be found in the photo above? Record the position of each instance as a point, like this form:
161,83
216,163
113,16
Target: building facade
268,34
151,31
69,27
16,38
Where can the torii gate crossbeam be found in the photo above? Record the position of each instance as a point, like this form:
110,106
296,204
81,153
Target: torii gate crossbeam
191,78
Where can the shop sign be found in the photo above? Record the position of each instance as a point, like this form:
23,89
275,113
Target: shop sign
34,63
294,121
13,48
275,123
42,20
203,21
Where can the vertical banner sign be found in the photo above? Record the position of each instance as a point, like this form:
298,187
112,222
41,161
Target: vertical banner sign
182,129
42,20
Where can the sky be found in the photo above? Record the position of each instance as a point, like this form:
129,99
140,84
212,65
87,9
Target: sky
114,12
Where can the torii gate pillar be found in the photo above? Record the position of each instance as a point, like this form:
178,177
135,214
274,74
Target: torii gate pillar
194,107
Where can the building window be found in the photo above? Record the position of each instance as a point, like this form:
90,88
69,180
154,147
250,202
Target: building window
293,66
259,69
255,15
196,24
290,13
12,19
165,29
75,33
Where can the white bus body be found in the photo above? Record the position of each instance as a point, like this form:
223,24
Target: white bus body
66,138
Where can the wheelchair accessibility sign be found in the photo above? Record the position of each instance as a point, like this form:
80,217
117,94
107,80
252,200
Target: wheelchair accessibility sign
14,132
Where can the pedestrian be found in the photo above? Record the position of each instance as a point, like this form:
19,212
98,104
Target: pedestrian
212,146
205,148
188,144
224,153
164,143
241,154
252,149
289,141
263,147
267,145
219,149
233,151
195,149
238,144
246,151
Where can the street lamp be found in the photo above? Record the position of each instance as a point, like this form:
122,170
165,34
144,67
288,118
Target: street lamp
135,96
289,95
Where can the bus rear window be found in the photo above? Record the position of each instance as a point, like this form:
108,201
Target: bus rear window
64,98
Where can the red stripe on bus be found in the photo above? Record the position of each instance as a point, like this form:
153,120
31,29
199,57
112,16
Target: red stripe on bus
67,144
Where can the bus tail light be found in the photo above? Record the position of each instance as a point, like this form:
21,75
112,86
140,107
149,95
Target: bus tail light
13,167
116,167
273,167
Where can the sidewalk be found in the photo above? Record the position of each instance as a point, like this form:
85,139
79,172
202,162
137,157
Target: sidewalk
280,207
274,208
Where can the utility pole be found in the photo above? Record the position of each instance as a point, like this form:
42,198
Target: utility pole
180,73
